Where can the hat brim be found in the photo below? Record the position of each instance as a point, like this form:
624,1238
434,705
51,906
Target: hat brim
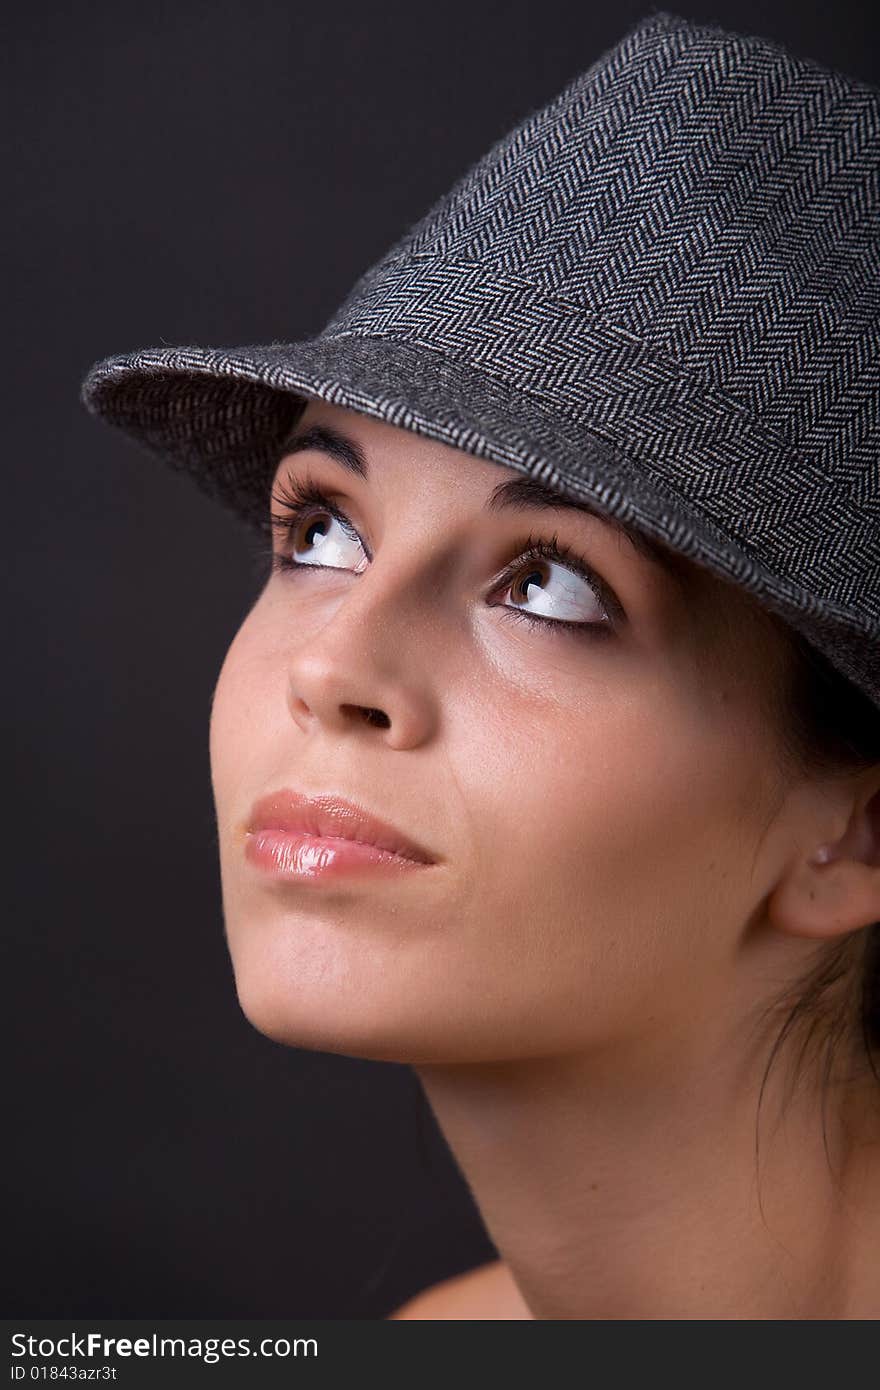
222,415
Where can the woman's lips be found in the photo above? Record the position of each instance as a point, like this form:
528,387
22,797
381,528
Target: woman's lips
295,856
297,837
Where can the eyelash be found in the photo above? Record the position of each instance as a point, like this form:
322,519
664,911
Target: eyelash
297,497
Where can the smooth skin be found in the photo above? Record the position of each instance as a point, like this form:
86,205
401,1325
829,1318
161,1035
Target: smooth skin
627,879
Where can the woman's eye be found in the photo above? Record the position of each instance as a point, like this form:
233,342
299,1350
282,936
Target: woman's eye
557,594
320,539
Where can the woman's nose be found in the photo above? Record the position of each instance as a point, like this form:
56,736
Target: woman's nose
367,665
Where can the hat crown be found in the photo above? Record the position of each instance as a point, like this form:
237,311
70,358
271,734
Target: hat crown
708,193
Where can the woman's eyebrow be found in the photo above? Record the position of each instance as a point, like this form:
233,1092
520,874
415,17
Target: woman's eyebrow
518,494
328,441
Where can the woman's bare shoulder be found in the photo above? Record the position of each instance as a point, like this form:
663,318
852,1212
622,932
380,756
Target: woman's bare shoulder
485,1293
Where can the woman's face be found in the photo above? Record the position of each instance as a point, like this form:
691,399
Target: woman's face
593,796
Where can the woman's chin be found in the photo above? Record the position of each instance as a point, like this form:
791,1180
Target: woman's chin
314,986
308,1019
411,1037
320,985
301,1019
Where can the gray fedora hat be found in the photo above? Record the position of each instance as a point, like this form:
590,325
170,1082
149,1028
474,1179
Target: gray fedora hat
659,294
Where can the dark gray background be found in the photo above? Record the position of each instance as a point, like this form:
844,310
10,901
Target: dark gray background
208,173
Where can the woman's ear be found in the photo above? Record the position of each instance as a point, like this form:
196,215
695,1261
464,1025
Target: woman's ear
833,887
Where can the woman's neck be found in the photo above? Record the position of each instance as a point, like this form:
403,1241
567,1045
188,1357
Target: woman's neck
633,1193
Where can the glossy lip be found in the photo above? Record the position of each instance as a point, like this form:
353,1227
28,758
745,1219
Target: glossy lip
331,817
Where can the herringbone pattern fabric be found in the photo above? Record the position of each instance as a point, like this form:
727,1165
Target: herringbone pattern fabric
661,290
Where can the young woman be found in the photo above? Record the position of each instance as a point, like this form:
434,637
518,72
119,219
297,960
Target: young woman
548,758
